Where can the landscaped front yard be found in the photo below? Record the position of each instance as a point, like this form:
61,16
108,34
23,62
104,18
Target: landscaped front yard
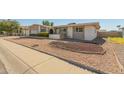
78,47
105,62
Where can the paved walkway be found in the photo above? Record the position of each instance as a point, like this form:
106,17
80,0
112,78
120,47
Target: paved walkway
19,59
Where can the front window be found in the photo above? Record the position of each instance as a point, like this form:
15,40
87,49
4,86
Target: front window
78,29
64,30
43,30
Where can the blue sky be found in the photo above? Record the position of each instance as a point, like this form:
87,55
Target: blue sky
108,24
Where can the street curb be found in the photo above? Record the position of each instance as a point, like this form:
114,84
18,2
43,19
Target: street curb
69,61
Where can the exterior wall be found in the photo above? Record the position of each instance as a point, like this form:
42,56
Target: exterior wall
27,33
90,33
46,29
57,31
109,34
34,32
35,29
78,33
70,32
54,36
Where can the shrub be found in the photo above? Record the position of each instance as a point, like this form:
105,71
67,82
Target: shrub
43,34
33,34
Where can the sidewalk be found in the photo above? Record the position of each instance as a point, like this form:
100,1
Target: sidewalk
31,61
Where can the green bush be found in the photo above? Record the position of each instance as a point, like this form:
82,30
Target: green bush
43,34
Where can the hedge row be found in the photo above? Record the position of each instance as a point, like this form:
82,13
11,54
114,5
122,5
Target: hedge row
41,34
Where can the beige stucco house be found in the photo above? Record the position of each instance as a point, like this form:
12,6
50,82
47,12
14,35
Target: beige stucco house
82,31
36,28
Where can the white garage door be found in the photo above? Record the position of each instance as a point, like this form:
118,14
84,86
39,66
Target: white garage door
90,34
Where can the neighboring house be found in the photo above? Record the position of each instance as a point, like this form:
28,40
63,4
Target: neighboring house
82,31
25,30
36,28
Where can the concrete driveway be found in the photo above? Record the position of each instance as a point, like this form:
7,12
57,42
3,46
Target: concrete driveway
20,59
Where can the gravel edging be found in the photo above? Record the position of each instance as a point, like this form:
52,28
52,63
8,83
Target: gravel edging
69,61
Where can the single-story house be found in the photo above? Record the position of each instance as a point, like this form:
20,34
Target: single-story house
82,31
36,28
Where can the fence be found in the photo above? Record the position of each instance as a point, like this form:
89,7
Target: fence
109,34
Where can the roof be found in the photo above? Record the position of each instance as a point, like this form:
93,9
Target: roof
25,27
68,25
81,24
40,25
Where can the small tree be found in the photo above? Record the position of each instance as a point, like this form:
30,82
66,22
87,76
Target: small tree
52,23
9,26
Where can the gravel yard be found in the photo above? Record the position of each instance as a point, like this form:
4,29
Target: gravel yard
79,47
106,63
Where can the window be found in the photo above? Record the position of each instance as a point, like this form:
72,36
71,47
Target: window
64,30
43,30
79,29
76,29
